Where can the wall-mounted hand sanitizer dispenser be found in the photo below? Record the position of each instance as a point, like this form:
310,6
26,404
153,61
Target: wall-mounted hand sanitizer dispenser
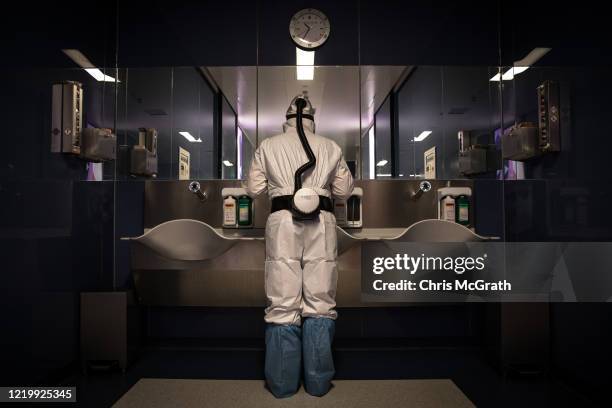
454,204
349,213
237,208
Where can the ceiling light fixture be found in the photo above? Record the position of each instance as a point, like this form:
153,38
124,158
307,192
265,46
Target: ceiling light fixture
422,136
371,147
522,65
82,61
304,64
189,137
382,163
239,153
228,163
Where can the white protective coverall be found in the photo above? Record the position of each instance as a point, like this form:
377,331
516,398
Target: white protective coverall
300,269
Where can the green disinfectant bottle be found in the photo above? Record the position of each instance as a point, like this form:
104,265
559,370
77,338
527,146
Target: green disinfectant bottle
462,209
245,212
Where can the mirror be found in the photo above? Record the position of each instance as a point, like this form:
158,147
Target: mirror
409,122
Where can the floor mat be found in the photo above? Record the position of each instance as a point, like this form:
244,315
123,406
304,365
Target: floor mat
158,393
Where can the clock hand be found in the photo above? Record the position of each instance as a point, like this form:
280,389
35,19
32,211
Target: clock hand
306,33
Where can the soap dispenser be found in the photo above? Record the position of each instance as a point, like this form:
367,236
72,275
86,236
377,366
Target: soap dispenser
245,213
454,205
229,211
462,209
237,208
354,209
447,208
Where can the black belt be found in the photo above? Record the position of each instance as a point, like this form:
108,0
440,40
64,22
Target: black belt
284,203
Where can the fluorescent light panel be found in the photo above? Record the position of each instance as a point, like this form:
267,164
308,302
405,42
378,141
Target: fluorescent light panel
422,136
189,137
522,65
99,75
82,61
371,148
239,154
304,64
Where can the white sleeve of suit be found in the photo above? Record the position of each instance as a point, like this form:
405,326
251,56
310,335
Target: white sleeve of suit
257,182
342,181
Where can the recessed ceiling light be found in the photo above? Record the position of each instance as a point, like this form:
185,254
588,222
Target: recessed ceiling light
371,153
422,136
189,137
522,65
82,61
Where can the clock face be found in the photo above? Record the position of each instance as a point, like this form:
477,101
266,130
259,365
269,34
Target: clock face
309,29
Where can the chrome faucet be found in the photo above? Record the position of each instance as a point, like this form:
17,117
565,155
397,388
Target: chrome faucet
194,187
424,187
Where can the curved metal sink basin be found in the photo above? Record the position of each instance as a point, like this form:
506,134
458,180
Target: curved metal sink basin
432,230
190,240
193,240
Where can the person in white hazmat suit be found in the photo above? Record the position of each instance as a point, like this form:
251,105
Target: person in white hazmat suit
301,250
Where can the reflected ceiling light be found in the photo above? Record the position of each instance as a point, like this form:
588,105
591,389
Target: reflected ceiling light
422,136
522,65
304,64
228,163
371,159
384,174
82,61
381,163
189,137
239,153
495,78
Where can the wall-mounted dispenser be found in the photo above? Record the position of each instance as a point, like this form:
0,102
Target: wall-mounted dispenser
454,204
237,208
98,144
66,117
527,140
521,143
549,117
475,158
349,213
143,156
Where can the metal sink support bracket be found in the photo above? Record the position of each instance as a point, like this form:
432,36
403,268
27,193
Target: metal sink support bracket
188,240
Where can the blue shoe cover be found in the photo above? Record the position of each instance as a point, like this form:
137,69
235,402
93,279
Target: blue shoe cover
317,336
283,359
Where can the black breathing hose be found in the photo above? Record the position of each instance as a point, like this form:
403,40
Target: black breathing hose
300,103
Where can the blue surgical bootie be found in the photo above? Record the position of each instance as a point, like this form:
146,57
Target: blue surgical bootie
283,359
317,336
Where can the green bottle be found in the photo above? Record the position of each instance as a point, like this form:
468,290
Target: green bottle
462,210
245,212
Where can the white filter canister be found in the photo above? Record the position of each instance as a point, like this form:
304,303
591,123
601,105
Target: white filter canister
229,212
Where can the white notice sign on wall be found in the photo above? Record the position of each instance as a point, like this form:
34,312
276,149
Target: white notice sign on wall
184,158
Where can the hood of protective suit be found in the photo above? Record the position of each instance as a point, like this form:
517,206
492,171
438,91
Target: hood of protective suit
308,111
